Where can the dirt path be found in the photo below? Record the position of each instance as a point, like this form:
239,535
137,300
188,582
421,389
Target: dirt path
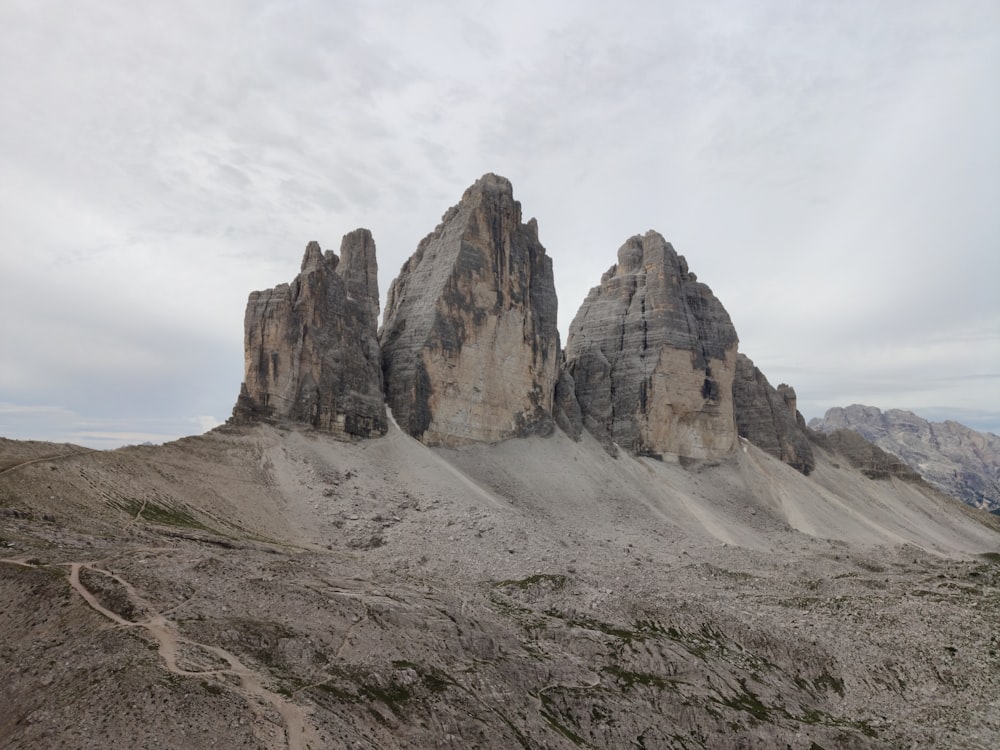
170,644
80,452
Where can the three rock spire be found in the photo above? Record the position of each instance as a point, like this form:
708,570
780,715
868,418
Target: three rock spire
469,349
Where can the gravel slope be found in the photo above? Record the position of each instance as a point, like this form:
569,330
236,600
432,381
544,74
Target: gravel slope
276,588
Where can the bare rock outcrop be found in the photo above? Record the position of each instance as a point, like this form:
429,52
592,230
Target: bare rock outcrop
470,348
769,418
566,408
863,454
956,459
310,349
652,353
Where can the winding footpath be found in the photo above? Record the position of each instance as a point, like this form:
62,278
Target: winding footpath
298,734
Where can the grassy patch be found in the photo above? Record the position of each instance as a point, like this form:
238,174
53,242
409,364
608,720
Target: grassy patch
433,679
553,721
337,693
590,623
629,679
827,681
748,702
161,514
392,695
394,692
814,717
870,567
552,581
642,630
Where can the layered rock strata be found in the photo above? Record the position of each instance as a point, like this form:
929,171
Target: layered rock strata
863,454
957,459
769,418
652,354
310,349
470,348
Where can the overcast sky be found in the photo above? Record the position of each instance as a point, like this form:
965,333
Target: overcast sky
830,169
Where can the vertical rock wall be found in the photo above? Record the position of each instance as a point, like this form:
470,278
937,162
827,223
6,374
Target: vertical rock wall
470,348
652,354
310,349
769,417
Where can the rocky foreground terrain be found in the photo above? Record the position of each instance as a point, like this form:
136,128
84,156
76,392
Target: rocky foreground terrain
276,588
954,458
452,533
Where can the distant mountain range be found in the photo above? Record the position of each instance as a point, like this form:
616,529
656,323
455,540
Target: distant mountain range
956,459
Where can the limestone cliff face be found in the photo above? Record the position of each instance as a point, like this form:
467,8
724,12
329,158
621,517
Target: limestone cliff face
955,458
768,417
310,348
470,348
862,454
652,354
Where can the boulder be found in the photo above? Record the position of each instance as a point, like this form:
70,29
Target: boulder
470,348
652,353
310,349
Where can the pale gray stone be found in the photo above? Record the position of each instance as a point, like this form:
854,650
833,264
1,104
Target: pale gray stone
768,417
310,348
653,355
470,348
957,459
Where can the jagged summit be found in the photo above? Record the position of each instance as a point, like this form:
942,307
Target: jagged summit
959,460
652,354
470,348
769,418
310,351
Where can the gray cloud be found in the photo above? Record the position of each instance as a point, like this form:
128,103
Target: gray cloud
830,169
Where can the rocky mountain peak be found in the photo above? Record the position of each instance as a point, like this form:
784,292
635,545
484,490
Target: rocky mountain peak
652,354
469,350
469,340
313,259
768,417
955,458
310,348
489,184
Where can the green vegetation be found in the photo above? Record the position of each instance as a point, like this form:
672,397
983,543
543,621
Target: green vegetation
390,691
870,567
433,679
161,514
590,623
550,718
747,701
827,681
551,580
391,695
629,679
814,717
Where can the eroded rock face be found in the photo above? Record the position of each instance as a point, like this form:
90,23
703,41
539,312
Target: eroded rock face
955,458
865,455
470,348
768,417
566,408
652,353
310,349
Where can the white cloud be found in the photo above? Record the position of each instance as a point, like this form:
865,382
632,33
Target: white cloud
829,169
